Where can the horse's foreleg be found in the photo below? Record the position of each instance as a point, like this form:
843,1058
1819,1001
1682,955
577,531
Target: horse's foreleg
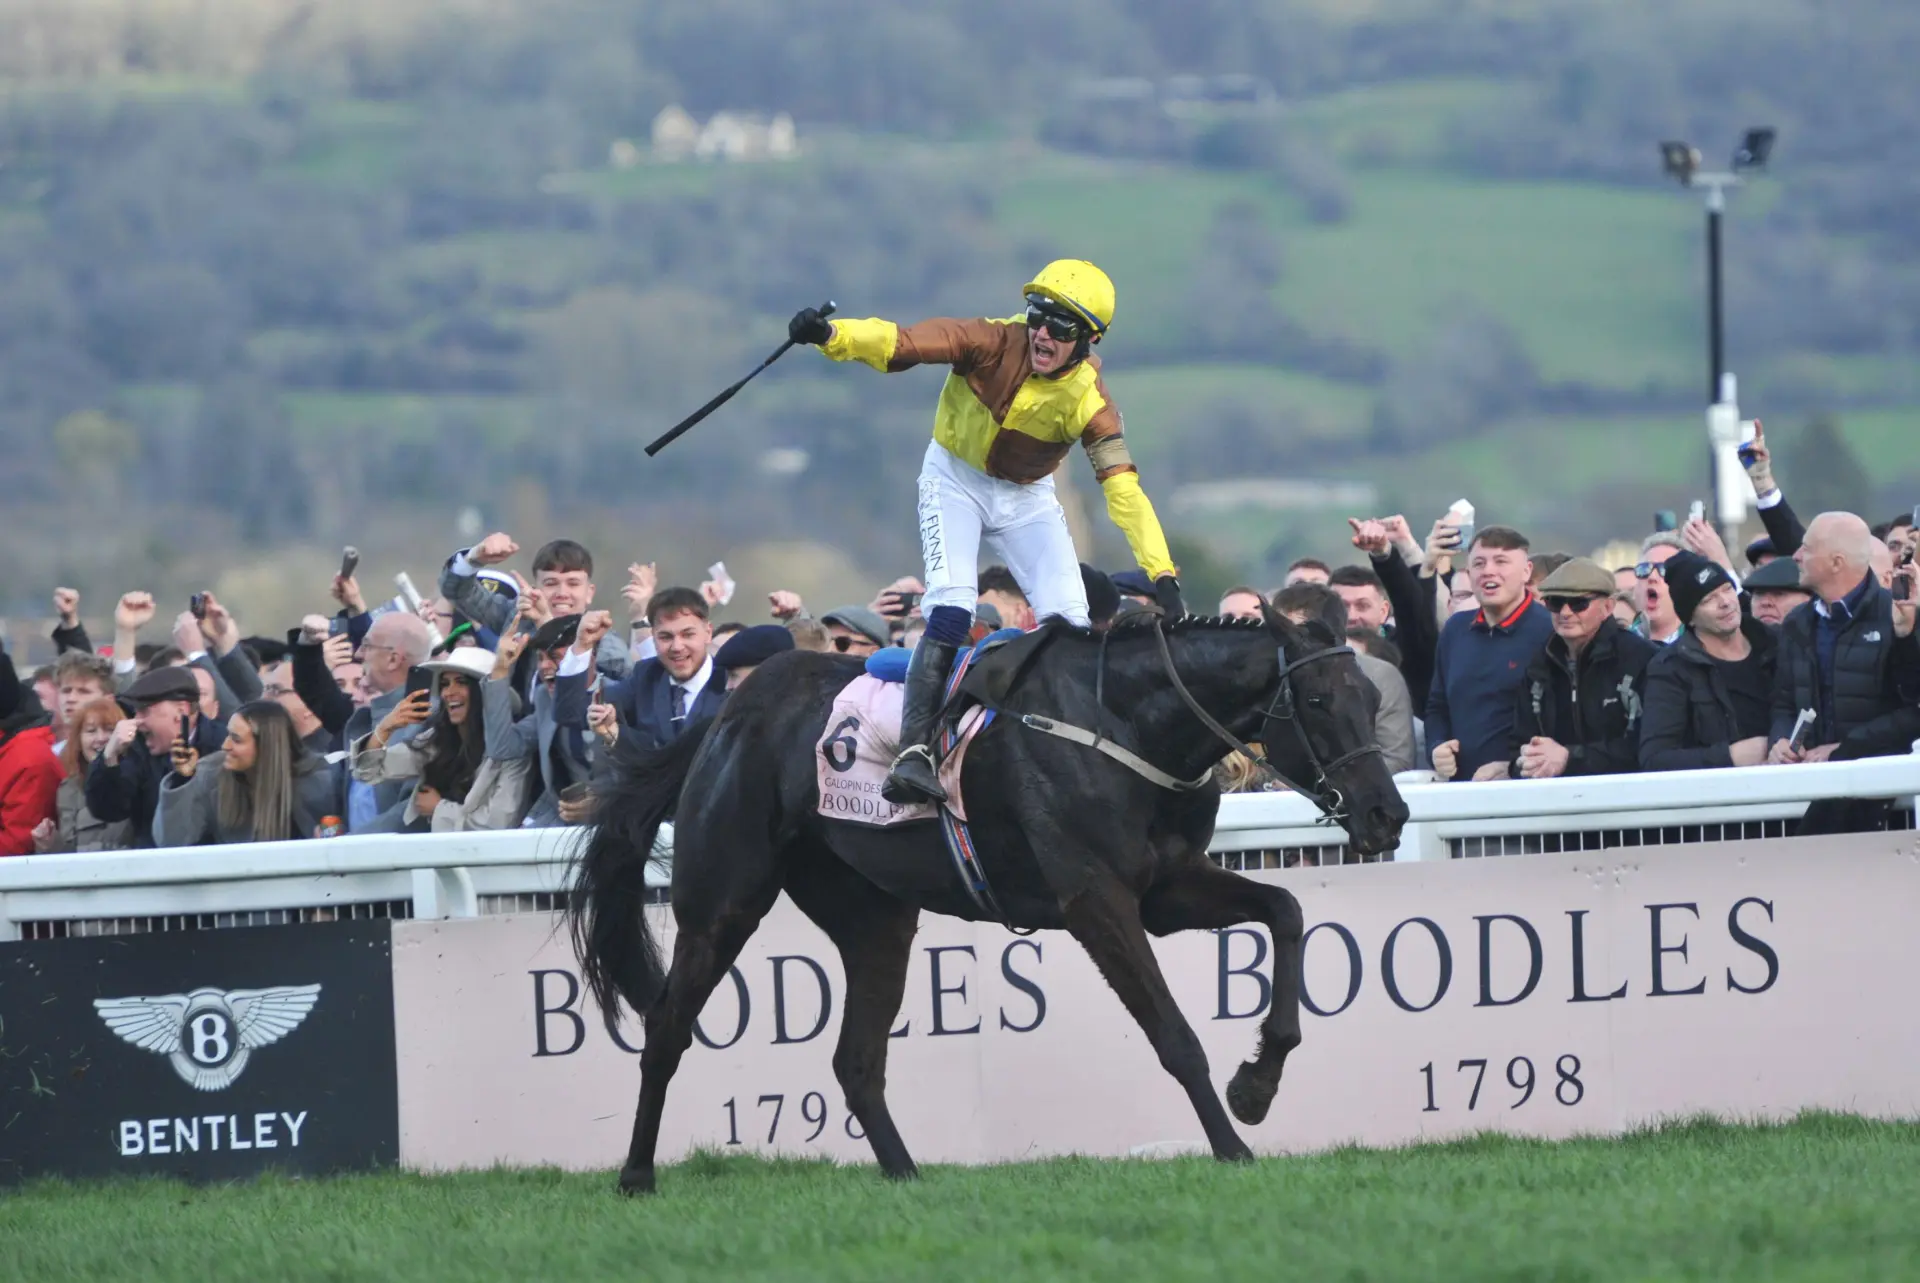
874,934
1203,896
1106,921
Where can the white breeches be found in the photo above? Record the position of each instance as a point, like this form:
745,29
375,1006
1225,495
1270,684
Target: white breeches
960,505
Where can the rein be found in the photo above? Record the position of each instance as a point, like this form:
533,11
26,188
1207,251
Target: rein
1280,709
1324,794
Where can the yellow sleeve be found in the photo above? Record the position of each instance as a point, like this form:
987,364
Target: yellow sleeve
1132,511
871,342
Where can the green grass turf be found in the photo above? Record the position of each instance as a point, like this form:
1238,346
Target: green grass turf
1825,1197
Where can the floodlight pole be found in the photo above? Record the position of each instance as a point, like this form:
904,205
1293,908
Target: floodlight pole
1716,325
1723,407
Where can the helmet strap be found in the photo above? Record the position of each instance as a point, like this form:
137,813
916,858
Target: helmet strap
1081,349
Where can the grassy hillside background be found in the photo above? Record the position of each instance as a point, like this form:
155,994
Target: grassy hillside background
339,278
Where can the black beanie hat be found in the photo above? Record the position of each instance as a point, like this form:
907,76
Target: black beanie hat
1690,578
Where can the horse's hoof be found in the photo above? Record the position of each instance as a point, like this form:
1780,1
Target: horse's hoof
1236,1153
908,1173
635,1181
1249,1097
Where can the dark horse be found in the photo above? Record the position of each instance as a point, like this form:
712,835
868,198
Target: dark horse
1067,836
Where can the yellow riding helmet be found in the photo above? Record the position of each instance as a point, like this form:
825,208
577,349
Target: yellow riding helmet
1078,286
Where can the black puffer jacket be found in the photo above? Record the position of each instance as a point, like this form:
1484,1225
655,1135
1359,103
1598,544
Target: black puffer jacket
1866,676
1591,706
1688,720
130,789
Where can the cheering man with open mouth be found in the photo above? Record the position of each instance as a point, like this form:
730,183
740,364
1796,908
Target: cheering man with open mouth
1021,392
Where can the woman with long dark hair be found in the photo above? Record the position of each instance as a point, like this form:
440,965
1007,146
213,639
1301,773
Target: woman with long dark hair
469,769
262,786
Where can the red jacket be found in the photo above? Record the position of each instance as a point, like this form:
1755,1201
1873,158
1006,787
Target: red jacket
30,778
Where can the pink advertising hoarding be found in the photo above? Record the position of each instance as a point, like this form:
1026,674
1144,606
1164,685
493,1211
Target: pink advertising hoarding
1547,995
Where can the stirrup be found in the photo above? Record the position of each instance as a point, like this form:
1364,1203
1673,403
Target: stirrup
914,778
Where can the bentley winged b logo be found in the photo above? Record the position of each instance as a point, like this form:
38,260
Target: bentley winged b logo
209,1033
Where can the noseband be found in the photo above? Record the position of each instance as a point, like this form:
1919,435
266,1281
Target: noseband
1324,794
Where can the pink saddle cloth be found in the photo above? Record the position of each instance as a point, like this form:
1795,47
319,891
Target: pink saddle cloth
857,751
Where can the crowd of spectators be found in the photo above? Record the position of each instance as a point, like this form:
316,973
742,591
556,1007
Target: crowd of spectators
494,704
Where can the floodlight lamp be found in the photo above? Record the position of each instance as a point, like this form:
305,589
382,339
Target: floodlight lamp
1680,160
1754,149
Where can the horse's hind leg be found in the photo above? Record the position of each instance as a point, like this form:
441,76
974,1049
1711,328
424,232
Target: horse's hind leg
874,934
1203,896
702,951
1106,921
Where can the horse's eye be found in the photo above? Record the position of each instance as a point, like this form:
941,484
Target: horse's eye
1316,701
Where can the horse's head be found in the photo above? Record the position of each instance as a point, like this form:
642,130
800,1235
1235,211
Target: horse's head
1318,734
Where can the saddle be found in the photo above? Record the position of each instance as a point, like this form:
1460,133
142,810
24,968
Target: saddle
998,668
853,757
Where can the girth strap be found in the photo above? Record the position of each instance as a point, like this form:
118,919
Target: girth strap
1125,756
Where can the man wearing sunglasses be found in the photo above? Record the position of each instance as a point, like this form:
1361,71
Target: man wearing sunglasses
1657,615
1579,708
1021,391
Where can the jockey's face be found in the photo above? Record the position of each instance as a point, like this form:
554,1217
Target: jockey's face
1049,354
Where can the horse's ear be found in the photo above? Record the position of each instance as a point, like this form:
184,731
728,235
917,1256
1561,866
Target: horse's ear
1278,624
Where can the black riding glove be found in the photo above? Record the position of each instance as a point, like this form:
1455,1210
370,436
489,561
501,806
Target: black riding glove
1166,591
808,326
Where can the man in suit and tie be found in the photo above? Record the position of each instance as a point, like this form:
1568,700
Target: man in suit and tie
660,696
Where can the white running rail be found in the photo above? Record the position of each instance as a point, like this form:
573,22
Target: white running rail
468,874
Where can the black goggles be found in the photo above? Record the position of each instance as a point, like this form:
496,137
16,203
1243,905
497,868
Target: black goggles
1044,313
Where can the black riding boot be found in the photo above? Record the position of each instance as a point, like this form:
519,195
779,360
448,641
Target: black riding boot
913,778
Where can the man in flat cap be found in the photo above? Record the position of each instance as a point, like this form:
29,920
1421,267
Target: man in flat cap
124,783
749,648
1578,711
1775,590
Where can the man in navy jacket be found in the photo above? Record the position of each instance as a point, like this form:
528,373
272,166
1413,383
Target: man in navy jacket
1481,661
660,696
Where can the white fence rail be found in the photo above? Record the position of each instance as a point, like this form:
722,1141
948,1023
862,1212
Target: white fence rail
470,874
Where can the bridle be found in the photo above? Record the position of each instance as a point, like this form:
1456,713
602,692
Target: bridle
1281,708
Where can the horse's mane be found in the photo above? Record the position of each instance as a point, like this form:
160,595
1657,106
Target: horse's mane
1142,621
1215,623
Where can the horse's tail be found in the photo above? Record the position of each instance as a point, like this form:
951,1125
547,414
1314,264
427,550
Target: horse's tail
618,955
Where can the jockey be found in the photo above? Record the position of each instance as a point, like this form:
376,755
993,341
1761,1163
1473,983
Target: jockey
1021,392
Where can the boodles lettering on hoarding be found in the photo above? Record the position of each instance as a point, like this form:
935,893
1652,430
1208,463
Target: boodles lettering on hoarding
1550,995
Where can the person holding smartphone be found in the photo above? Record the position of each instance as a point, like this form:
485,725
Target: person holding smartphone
262,785
123,783
465,766
1850,655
